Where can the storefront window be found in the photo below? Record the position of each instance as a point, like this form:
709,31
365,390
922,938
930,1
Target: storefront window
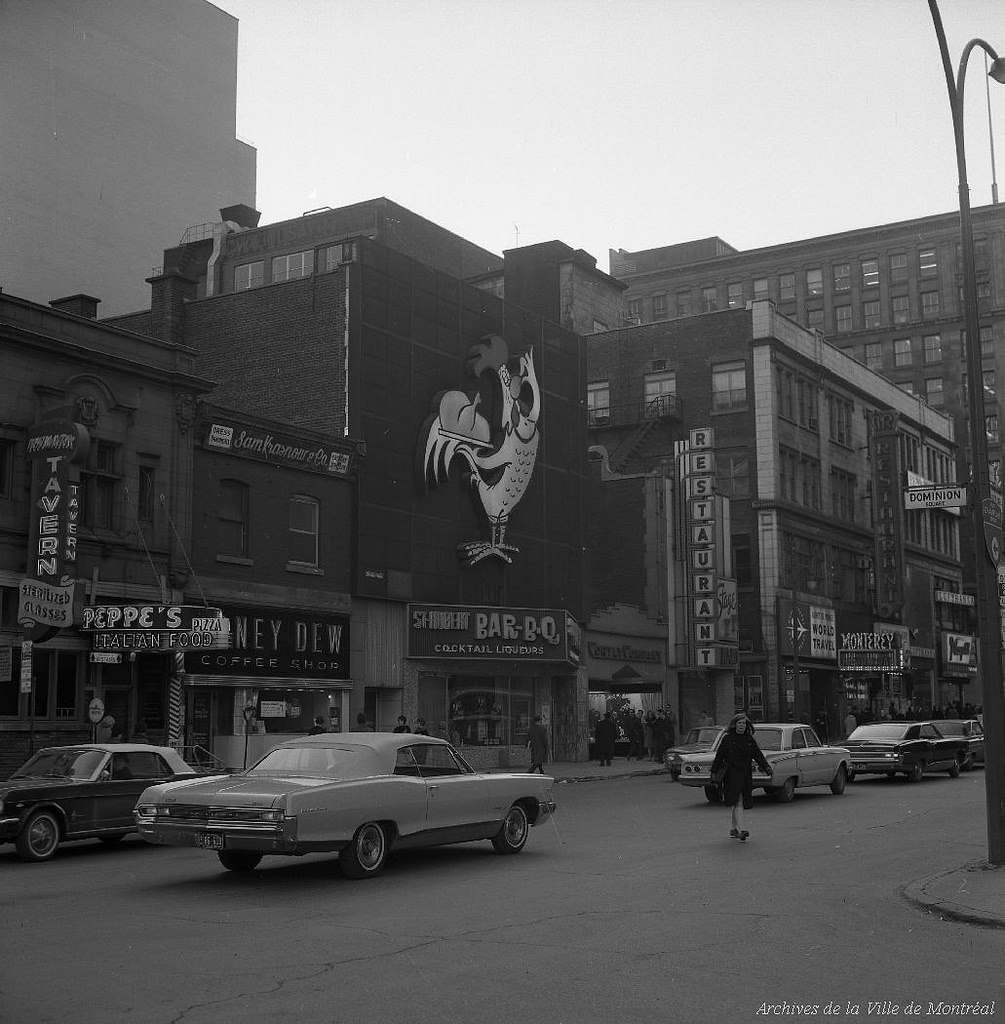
489,711
285,711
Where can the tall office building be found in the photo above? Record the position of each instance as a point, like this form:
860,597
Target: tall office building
118,124
889,295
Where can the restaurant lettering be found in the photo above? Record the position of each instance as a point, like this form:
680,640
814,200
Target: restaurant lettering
623,652
870,641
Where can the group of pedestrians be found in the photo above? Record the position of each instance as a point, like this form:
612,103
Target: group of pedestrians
649,735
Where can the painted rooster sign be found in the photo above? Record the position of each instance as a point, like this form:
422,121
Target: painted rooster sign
497,451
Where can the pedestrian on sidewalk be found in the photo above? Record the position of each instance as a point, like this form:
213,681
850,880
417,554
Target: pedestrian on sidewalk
649,738
662,735
538,744
636,735
737,751
605,738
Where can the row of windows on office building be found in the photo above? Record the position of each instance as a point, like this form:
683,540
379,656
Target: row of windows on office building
291,266
783,288
659,394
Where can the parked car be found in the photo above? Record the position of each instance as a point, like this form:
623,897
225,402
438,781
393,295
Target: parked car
904,748
797,757
972,732
359,795
697,741
84,791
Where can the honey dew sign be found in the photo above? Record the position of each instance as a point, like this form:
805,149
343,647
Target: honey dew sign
134,627
46,596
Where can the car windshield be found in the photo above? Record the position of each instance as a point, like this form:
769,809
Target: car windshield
880,731
61,764
325,762
702,735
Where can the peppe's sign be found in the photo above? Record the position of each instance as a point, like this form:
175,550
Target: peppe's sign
46,597
134,627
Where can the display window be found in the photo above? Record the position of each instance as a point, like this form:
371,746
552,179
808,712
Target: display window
482,711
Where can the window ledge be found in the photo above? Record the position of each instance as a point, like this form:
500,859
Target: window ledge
235,560
306,570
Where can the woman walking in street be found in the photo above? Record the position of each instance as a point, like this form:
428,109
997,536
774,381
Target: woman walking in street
737,751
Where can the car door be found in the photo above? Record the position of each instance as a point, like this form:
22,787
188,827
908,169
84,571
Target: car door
941,750
814,762
456,798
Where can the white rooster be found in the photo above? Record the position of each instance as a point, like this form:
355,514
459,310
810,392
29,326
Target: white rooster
500,464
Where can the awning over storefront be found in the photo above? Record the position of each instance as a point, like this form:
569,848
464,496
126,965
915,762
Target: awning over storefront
267,683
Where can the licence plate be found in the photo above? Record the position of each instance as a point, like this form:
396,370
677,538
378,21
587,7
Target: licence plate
209,841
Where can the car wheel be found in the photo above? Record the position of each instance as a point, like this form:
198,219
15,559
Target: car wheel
39,838
239,860
969,764
512,837
839,781
364,857
785,793
713,794
917,772
113,839
851,774
954,769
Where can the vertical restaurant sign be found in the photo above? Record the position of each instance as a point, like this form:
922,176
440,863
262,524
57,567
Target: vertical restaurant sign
887,503
46,596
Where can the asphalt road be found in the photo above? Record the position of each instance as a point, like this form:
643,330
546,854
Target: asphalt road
634,907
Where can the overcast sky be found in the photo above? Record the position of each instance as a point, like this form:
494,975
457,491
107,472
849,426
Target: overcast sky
616,123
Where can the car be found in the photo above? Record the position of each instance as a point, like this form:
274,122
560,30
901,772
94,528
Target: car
358,795
81,791
697,741
797,757
970,730
905,748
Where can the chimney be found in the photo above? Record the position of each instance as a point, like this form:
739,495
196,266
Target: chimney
78,305
241,215
168,294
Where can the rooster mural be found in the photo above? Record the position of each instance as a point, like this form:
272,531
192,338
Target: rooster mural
498,457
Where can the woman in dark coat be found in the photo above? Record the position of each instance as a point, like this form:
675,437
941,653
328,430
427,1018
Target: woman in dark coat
737,751
607,733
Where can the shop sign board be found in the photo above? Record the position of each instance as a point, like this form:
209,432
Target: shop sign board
46,596
935,497
26,665
136,627
959,654
278,643
823,633
514,634
278,449
870,652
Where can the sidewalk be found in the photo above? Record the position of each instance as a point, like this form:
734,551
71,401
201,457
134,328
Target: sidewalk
973,893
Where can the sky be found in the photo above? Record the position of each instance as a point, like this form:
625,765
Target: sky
617,124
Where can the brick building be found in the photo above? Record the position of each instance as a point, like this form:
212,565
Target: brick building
805,440
467,577
106,522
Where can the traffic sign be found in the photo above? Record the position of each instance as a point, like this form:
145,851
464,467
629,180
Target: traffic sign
951,496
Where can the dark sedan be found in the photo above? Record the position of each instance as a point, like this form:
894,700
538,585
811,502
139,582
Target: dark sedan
971,732
904,748
86,791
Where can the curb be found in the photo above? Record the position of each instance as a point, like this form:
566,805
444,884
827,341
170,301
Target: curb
917,893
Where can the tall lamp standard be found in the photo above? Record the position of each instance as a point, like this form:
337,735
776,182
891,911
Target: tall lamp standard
986,517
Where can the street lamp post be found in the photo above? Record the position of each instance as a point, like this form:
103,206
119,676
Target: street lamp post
986,513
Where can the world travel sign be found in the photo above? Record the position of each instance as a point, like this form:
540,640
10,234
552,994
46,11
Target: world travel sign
56,449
